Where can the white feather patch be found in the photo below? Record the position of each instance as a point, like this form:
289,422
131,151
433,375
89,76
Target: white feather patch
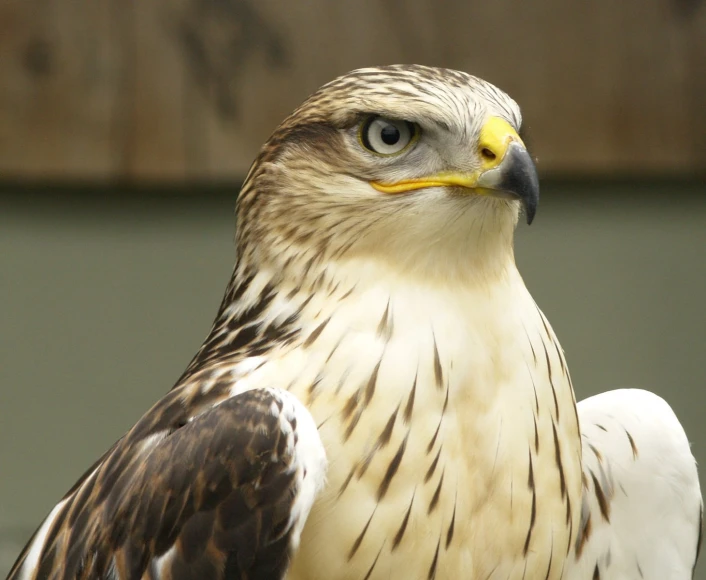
309,458
29,567
638,452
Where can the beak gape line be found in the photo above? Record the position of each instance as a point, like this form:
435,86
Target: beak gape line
507,170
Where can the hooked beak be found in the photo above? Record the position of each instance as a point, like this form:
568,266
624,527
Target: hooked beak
506,171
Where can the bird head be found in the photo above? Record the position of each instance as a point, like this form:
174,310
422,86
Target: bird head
412,164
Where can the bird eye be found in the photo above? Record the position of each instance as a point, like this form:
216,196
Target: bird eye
387,136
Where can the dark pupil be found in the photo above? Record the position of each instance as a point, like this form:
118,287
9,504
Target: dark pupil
390,135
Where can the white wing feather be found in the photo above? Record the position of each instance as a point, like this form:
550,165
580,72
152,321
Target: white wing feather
642,506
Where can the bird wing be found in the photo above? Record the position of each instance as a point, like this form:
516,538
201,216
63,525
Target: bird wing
642,508
216,492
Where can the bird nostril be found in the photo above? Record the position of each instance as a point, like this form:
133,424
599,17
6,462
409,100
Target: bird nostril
488,154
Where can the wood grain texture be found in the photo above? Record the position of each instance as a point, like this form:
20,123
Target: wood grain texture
189,90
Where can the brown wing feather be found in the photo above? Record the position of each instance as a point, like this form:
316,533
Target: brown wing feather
214,493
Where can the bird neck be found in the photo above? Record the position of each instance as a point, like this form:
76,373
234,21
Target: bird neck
272,307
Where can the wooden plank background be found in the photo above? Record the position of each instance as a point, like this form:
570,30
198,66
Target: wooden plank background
175,90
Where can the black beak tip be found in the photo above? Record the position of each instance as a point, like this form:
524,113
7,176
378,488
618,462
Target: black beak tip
530,210
530,194
516,176
522,180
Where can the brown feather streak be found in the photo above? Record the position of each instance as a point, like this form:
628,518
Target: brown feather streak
315,334
359,539
434,562
407,416
450,531
375,561
392,469
435,498
557,458
438,373
403,526
600,496
432,467
632,445
551,381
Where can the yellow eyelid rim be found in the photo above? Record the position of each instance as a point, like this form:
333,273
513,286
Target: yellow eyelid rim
415,135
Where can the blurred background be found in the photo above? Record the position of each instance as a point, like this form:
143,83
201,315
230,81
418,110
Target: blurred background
126,129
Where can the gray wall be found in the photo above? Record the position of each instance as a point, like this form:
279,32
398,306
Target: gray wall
104,296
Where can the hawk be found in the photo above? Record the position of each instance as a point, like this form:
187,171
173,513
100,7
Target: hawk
380,396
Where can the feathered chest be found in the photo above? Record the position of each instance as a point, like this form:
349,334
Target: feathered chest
446,419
